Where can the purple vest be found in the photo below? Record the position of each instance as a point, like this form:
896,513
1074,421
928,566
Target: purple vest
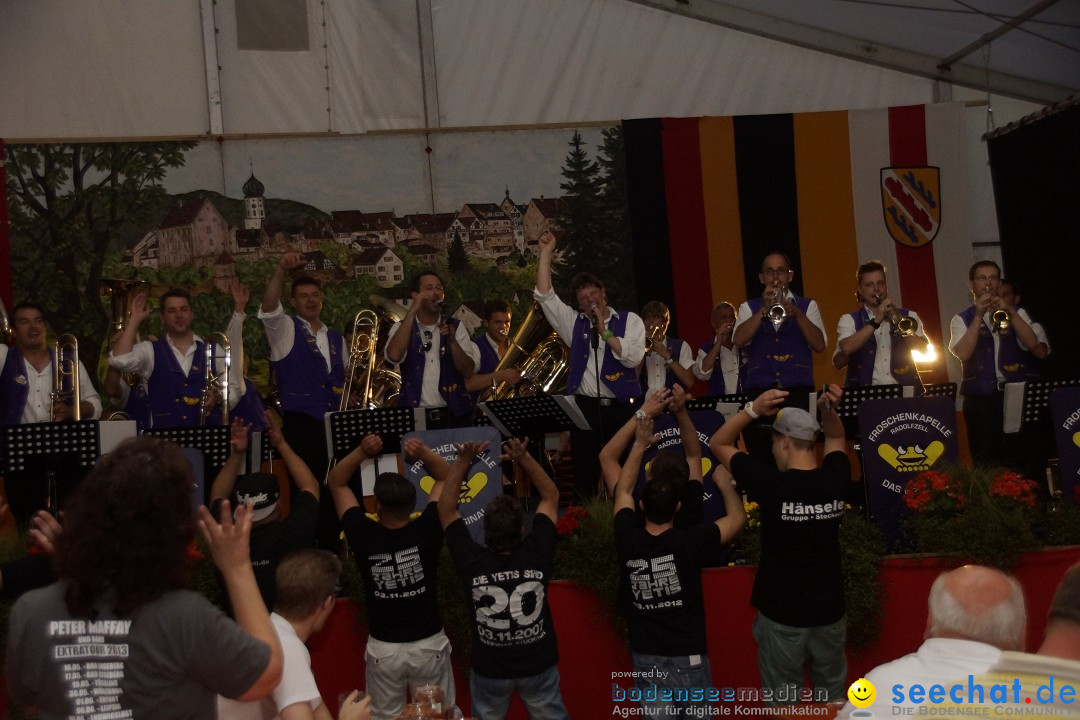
717,386
621,380
489,360
250,409
303,382
451,384
860,369
778,358
138,406
176,399
979,374
14,386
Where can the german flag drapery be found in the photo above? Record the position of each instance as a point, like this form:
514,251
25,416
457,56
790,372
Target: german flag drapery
710,197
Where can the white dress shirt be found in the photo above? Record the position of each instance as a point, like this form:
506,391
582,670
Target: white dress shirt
728,362
141,362
656,367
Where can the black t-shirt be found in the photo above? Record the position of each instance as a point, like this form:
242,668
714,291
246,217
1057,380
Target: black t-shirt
691,504
800,581
513,636
400,570
660,584
273,541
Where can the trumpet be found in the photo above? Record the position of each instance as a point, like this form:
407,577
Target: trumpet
216,385
7,333
66,375
902,325
1001,319
656,335
775,312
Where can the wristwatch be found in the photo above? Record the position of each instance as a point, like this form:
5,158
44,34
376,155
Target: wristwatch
875,323
749,408
669,362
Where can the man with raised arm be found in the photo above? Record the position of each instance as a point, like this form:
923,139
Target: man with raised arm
173,367
660,569
272,537
606,349
514,648
398,559
799,587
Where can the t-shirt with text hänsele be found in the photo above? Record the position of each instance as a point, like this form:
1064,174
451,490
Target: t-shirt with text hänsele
168,661
513,636
400,570
660,584
800,581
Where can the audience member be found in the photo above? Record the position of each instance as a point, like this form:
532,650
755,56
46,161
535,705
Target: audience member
305,599
119,615
973,613
399,562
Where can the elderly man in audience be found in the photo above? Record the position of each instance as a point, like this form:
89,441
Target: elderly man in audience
974,613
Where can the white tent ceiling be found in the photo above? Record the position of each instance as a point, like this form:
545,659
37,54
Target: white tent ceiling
162,68
1024,48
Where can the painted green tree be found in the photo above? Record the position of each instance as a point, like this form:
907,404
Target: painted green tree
69,204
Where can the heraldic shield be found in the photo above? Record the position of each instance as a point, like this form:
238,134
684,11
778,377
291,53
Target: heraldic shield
911,202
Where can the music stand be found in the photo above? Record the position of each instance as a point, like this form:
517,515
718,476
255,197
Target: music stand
534,416
346,428
52,447
853,397
1027,403
211,441
940,389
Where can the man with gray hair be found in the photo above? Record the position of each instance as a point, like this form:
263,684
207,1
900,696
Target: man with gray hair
974,613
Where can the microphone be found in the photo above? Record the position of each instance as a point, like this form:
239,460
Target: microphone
595,334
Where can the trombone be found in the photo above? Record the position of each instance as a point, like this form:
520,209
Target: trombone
216,385
362,350
66,375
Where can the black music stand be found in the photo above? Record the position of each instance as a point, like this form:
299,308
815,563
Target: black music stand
853,397
1034,409
940,390
346,428
726,405
60,453
535,416
211,441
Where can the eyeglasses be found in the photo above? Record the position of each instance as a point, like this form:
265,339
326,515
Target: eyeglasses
775,271
427,340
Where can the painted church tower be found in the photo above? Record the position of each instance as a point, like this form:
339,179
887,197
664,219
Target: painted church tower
254,207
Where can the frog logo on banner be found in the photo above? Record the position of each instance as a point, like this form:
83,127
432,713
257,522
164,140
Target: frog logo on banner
911,203
469,491
911,458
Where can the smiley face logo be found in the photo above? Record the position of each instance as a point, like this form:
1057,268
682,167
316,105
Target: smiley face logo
862,693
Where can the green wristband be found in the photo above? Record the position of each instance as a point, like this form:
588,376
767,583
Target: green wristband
607,335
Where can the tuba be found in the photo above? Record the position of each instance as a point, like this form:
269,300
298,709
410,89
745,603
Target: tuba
216,385
7,333
542,368
66,375
119,293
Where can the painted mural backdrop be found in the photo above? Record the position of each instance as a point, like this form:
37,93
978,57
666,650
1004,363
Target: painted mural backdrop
369,212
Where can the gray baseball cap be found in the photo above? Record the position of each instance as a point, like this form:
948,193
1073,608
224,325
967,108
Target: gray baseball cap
796,423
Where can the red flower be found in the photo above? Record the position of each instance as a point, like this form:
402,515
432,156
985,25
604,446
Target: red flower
1015,487
934,491
570,522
